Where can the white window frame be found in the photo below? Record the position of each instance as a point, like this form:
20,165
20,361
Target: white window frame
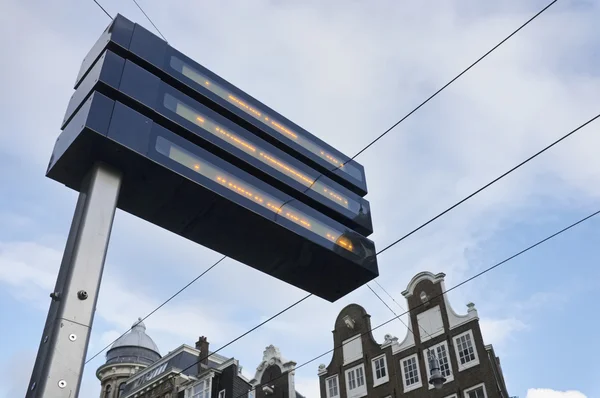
384,379
468,390
190,391
419,384
337,382
358,391
348,361
222,393
452,396
426,358
474,362
252,393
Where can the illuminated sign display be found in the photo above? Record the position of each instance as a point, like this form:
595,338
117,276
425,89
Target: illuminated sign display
246,190
204,160
308,180
114,75
256,112
135,43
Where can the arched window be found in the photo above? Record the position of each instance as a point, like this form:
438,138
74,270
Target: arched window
108,391
121,389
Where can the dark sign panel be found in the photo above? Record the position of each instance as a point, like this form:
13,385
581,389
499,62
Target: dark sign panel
132,41
137,87
180,186
208,162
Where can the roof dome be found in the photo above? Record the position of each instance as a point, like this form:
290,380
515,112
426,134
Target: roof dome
136,337
134,346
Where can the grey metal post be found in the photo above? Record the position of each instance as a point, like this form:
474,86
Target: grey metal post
60,360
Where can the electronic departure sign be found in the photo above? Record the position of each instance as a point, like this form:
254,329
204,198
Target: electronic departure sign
132,41
115,76
204,160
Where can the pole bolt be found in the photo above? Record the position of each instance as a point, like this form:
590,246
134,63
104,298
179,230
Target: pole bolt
45,339
62,383
72,337
82,294
32,386
55,296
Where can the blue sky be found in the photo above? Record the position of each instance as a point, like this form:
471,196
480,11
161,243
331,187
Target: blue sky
345,71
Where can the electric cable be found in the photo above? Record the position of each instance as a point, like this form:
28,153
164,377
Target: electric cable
383,134
464,200
249,331
150,20
394,312
389,295
452,81
158,308
469,197
411,232
430,97
102,8
538,243
495,180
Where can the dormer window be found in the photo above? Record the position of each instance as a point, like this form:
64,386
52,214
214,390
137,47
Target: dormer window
200,389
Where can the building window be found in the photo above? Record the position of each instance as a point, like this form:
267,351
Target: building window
441,352
355,382
380,372
201,390
251,394
332,384
464,344
477,391
410,373
121,389
352,349
222,394
107,391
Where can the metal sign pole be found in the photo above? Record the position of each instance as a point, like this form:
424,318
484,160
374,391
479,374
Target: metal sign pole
60,360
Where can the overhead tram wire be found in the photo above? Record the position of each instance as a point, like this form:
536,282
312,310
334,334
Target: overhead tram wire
406,235
248,332
495,180
387,131
394,312
433,95
143,12
102,8
159,307
150,20
538,243
467,198
389,295
454,206
395,242
453,80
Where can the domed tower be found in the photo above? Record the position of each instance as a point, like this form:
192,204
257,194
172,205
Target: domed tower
131,353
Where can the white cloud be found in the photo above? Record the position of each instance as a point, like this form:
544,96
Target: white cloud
308,386
346,71
29,270
15,372
499,331
548,393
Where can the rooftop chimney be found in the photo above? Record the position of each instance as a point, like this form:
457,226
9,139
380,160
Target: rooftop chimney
202,346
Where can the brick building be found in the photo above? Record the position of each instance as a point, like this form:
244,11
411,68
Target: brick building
268,381
363,367
134,368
